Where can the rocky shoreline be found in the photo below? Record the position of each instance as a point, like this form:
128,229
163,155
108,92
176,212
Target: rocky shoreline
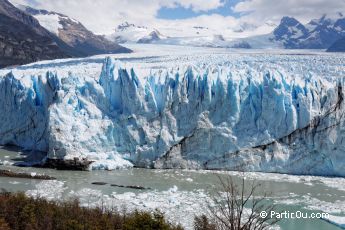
8,173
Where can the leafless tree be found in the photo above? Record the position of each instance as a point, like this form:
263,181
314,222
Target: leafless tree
236,206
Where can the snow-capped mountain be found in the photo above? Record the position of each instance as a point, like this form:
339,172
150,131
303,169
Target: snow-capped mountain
73,33
289,32
128,32
317,34
197,36
292,34
23,39
153,37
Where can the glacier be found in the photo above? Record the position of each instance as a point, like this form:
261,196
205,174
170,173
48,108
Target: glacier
206,109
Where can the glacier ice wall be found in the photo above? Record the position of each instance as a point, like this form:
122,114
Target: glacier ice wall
227,116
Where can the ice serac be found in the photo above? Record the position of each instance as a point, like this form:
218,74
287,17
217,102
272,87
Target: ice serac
24,110
232,116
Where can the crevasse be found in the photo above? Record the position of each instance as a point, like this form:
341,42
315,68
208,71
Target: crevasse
209,117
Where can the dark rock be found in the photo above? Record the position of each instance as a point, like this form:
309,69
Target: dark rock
8,173
23,40
99,183
61,164
130,186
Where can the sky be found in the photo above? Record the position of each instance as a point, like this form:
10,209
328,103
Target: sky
102,16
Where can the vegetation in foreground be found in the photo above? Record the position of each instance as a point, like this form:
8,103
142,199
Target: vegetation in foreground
17,211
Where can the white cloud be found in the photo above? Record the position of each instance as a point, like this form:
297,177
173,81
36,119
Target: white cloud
215,24
103,16
200,5
304,10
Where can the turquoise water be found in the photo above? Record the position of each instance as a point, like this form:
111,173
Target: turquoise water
179,191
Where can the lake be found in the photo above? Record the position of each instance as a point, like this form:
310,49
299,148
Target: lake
180,194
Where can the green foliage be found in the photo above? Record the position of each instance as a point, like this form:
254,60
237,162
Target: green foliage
18,211
146,221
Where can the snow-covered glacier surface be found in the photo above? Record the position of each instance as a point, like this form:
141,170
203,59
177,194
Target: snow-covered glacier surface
182,108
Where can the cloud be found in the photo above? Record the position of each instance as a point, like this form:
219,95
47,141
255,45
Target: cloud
215,24
103,16
304,10
200,5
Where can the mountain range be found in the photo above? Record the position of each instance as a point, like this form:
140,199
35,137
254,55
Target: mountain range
288,34
29,35
317,34
25,37
73,33
198,36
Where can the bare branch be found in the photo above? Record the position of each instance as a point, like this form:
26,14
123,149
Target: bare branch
236,207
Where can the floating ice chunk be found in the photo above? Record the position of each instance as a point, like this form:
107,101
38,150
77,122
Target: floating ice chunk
14,182
336,220
109,161
174,189
49,189
5,162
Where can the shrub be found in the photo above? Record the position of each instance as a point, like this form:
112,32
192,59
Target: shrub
147,221
4,225
18,211
203,223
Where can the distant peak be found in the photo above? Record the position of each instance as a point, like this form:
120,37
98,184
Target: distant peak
327,18
34,11
218,37
289,21
126,25
155,32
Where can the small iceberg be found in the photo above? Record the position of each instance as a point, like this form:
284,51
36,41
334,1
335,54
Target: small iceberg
336,220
